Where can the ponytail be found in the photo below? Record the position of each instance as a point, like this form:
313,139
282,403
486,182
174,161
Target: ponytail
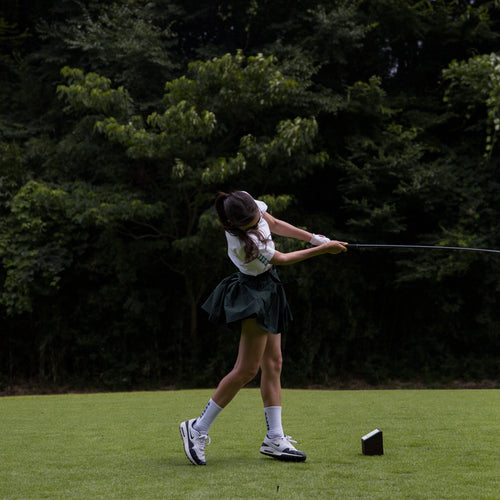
219,208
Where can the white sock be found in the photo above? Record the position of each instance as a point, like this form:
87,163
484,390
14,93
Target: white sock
207,418
273,422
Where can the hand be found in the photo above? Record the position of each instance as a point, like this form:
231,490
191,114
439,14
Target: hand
335,247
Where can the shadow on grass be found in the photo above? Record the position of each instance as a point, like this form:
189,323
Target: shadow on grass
234,462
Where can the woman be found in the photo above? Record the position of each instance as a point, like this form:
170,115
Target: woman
253,302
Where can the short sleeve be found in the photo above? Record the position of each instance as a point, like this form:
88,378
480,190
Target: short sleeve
261,205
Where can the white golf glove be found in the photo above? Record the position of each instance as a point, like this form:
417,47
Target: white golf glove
318,239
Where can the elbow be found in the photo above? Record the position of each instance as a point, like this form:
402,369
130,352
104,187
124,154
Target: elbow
280,259
277,259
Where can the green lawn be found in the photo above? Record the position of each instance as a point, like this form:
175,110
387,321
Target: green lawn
439,444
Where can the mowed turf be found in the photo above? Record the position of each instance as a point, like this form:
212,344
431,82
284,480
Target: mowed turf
438,444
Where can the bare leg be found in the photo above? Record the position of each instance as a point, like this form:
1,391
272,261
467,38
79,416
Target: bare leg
252,346
270,381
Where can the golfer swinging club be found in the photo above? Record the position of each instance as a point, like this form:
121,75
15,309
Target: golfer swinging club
253,302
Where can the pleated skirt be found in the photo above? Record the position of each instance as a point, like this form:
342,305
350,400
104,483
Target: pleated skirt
240,296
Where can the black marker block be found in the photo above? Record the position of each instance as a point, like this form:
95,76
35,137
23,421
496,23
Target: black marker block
372,443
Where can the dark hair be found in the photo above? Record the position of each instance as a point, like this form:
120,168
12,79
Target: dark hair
238,209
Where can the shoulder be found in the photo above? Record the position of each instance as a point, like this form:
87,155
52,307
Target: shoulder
262,206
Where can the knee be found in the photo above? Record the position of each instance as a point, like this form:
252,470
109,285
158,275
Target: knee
273,363
246,373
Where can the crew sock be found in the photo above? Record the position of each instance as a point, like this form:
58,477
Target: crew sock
273,422
207,418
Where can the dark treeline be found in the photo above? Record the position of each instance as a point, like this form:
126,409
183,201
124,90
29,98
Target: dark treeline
368,121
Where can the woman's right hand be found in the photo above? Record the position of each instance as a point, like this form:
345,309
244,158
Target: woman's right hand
334,247
285,259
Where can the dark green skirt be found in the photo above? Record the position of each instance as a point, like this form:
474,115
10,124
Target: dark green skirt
240,296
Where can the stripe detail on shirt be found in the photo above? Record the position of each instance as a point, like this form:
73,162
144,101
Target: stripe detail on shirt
263,259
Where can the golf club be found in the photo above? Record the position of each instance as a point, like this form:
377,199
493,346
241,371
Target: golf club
374,245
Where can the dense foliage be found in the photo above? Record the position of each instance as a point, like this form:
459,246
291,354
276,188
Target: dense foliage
366,121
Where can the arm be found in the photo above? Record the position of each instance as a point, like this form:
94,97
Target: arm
282,228
285,259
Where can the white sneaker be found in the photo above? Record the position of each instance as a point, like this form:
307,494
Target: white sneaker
194,442
282,449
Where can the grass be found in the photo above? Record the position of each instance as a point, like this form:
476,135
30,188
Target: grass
440,444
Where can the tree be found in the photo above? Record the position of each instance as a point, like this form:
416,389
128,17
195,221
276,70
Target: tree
335,110
205,137
130,42
209,133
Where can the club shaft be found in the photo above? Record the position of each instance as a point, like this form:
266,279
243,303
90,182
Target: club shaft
375,245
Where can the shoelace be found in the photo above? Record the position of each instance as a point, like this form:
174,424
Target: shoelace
203,438
289,439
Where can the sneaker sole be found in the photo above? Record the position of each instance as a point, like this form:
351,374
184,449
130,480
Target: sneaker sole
187,449
284,457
